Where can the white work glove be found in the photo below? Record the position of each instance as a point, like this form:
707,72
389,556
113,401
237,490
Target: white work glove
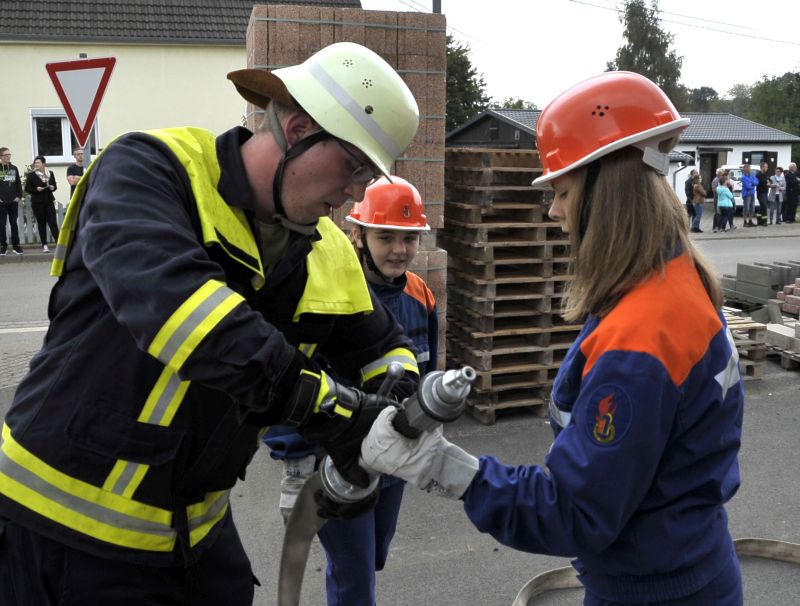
428,462
295,474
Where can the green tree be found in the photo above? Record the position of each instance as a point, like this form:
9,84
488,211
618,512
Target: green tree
738,101
513,103
701,99
466,90
776,103
646,49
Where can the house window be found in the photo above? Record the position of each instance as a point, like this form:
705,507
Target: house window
52,136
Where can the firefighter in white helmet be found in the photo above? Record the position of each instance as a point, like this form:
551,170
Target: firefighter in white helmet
200,280
647,405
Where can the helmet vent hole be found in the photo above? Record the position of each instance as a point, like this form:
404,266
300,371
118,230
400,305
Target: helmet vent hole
347,63
600,110
366,82
368,109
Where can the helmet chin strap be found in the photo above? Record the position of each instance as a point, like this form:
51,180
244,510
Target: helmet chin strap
288,154
371,262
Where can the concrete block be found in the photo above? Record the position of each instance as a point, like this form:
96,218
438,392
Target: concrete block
774,311
780,336
793,299
754,274
759,290
760,314
782,273
729,282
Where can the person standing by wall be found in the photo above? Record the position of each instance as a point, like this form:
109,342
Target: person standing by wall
75,170
40,183
762,192
688,189
725,204
10,195
749,182
647,405
776,196
792,193
699,199
714,183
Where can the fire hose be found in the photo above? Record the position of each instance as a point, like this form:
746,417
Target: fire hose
566,578
441,398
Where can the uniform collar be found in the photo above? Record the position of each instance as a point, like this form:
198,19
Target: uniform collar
233,184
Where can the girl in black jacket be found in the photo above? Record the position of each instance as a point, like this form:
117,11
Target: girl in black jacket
40,183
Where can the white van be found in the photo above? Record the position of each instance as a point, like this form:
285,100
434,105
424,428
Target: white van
735,174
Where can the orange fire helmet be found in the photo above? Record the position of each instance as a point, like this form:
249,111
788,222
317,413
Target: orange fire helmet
601,115
394,205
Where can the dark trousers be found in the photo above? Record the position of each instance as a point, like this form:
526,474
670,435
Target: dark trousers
357,548
10,211
37,571
790,210
762,204
45,213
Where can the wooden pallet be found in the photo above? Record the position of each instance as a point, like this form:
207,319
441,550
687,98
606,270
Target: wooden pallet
487,176
789,360
494,158
513,267
750,337
503,322
491,252
534,401
497,212
501,306
511,233
544,348
510,375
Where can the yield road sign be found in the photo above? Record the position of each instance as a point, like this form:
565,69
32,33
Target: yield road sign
80,86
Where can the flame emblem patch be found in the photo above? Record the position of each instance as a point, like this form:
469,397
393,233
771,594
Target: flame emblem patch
609,415
407,211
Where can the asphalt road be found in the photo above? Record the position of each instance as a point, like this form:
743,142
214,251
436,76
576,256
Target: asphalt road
437,557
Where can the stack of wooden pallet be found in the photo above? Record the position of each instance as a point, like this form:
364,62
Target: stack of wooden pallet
507,269
751,343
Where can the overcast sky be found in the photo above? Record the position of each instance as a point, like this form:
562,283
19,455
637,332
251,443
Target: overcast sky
534,49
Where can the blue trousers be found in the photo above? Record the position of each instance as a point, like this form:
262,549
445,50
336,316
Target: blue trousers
357,548
724,590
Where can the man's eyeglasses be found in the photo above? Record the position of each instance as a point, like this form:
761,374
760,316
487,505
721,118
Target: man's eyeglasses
365,174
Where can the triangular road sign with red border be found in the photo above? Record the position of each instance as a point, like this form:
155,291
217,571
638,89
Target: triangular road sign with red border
80,86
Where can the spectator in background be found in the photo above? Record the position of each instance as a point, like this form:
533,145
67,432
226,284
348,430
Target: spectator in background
725,204
777,189
749,182
75,171
40,183
688,189
10,194
698,199
792,193
762,191
714,184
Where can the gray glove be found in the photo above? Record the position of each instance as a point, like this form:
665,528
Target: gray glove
295,474
428,462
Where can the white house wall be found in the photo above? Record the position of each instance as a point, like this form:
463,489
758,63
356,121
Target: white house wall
151,87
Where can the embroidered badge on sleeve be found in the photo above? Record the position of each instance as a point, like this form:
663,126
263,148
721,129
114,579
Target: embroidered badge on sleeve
608,415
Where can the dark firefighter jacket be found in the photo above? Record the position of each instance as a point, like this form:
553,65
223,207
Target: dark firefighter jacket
168,351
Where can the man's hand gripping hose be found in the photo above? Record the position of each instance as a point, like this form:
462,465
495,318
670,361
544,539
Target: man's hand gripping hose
441,398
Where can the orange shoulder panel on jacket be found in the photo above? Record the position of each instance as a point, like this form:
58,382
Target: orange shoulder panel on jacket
668,316
416,287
